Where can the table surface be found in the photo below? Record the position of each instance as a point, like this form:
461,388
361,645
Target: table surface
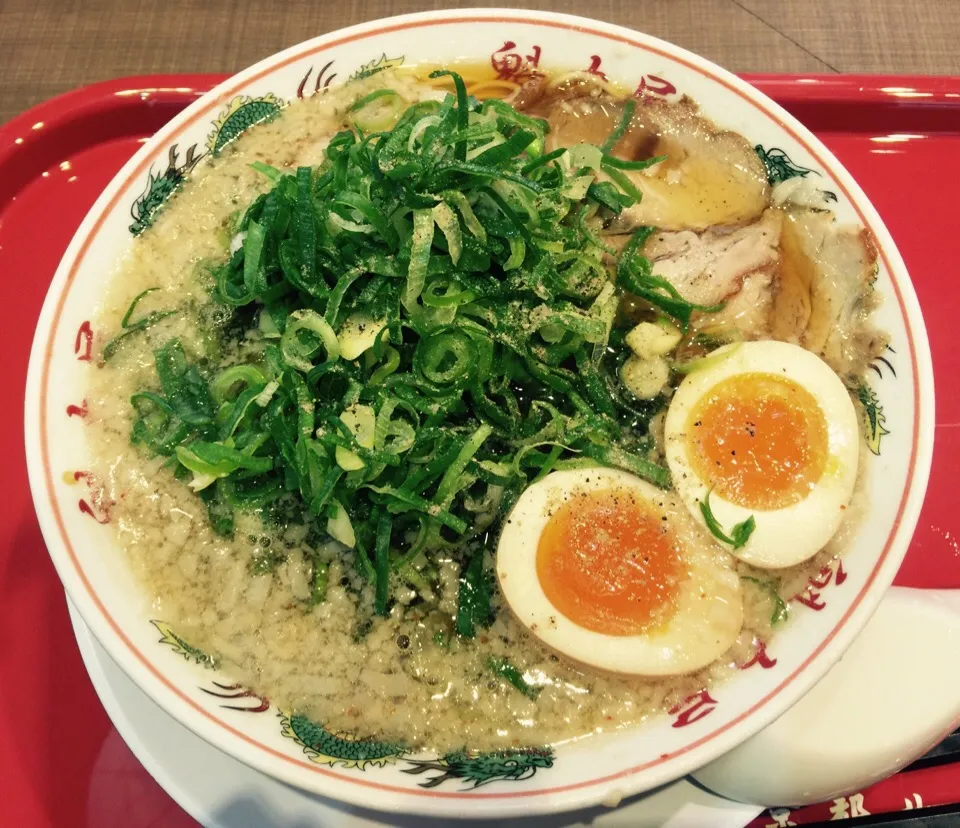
49,46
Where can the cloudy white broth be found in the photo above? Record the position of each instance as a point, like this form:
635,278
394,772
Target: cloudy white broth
454,420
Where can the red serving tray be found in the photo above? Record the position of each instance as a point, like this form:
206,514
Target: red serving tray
61,761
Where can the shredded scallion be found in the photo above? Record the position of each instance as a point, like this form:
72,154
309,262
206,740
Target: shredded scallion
463,268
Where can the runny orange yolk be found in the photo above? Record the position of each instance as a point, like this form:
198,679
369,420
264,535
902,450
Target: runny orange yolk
608,561
760,440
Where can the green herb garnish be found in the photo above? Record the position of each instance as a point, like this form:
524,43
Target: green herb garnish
511,674
381,563
780,609
318,583
473,600
432,318
740,533
620,129
265,169
635,274
130,328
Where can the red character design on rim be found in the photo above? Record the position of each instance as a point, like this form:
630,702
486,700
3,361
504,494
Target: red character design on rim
511,65
83,344
760,657
811,596
99,505
693,708
78,410
594,67
654,85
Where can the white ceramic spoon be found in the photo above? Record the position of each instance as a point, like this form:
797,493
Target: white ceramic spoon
893,696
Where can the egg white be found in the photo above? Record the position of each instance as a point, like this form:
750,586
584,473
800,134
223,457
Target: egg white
709,609
790,535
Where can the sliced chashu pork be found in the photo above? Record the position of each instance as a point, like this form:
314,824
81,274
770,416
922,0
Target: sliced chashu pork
710,176
733,265
825,289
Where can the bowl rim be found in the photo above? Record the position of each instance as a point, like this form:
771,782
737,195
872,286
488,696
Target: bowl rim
563,797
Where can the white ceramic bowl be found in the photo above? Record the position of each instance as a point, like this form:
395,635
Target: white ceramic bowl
603,769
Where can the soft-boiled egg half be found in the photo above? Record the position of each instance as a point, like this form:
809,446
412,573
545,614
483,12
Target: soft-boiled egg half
768,431
612,572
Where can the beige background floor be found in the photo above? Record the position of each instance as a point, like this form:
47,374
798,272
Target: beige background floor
49,46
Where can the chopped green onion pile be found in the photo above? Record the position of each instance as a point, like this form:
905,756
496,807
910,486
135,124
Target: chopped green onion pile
431,324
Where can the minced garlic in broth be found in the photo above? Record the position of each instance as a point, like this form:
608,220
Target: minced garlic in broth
406,677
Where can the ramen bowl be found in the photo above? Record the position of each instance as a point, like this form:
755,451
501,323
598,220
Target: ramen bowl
826,614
